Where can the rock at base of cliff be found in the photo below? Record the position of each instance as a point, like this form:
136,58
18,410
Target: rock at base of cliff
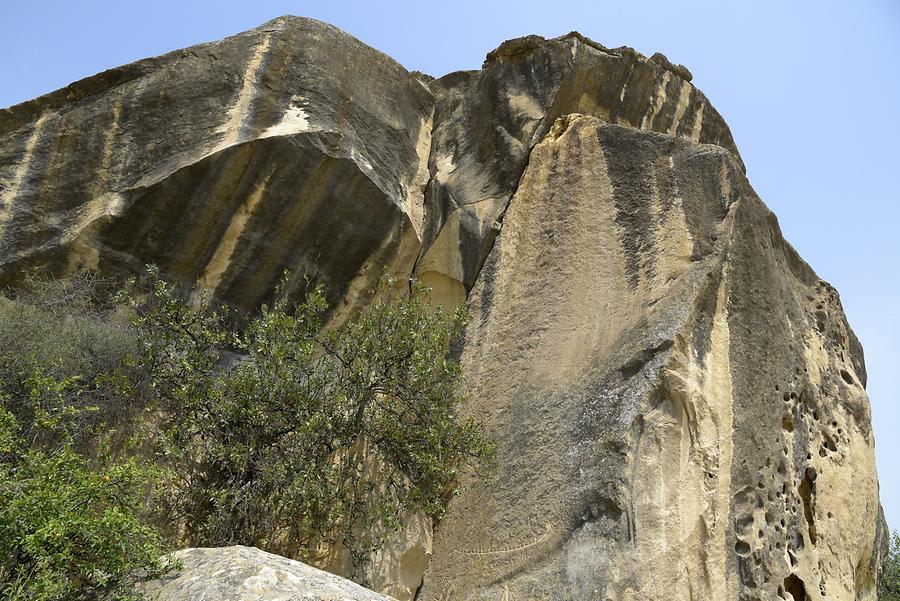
248,574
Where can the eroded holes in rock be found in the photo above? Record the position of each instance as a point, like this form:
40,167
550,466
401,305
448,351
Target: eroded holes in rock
742,548
847,377
786,397
816,415
821,323
793,396
600,507
794,587
743,524
787,423
807,492
777,388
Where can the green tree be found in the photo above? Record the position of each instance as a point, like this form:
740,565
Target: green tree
275,430
889,586
290,436
72,513
70,527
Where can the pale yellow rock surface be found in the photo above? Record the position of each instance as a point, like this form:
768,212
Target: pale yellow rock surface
678,401
642,448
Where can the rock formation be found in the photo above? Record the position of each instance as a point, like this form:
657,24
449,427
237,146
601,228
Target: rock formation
678,401
248,574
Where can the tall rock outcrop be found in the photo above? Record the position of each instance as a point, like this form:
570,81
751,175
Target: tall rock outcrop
678,401
677,398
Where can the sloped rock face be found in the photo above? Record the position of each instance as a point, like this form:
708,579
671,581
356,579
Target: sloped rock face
224,164
486,123
248,574
678,401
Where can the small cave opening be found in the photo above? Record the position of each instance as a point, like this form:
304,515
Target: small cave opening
847,377
787,423
807,492
794,586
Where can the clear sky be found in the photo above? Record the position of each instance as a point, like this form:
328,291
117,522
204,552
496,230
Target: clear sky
811,90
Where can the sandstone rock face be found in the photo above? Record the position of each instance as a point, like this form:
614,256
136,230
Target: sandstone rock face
486,123
678,401
224,164
677,398
248,574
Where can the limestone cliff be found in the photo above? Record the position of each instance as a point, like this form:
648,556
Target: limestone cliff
678,400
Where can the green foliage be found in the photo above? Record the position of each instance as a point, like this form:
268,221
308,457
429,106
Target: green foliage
889,586
53,334
278,431
72,513
308,438
70,527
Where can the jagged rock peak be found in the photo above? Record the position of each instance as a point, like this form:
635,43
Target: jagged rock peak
516,46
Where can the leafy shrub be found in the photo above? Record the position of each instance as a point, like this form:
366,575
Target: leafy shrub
70,527
310,437
272,430
889,586
73,514
61,331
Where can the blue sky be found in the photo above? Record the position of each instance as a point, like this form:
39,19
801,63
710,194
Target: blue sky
810,89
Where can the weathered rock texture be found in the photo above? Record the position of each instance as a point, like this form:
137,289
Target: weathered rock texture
248,574
677,398
224,164
678,401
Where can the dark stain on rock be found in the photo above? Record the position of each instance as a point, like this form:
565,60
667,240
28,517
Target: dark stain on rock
629,161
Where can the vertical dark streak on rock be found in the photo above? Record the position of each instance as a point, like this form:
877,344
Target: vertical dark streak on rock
631,176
